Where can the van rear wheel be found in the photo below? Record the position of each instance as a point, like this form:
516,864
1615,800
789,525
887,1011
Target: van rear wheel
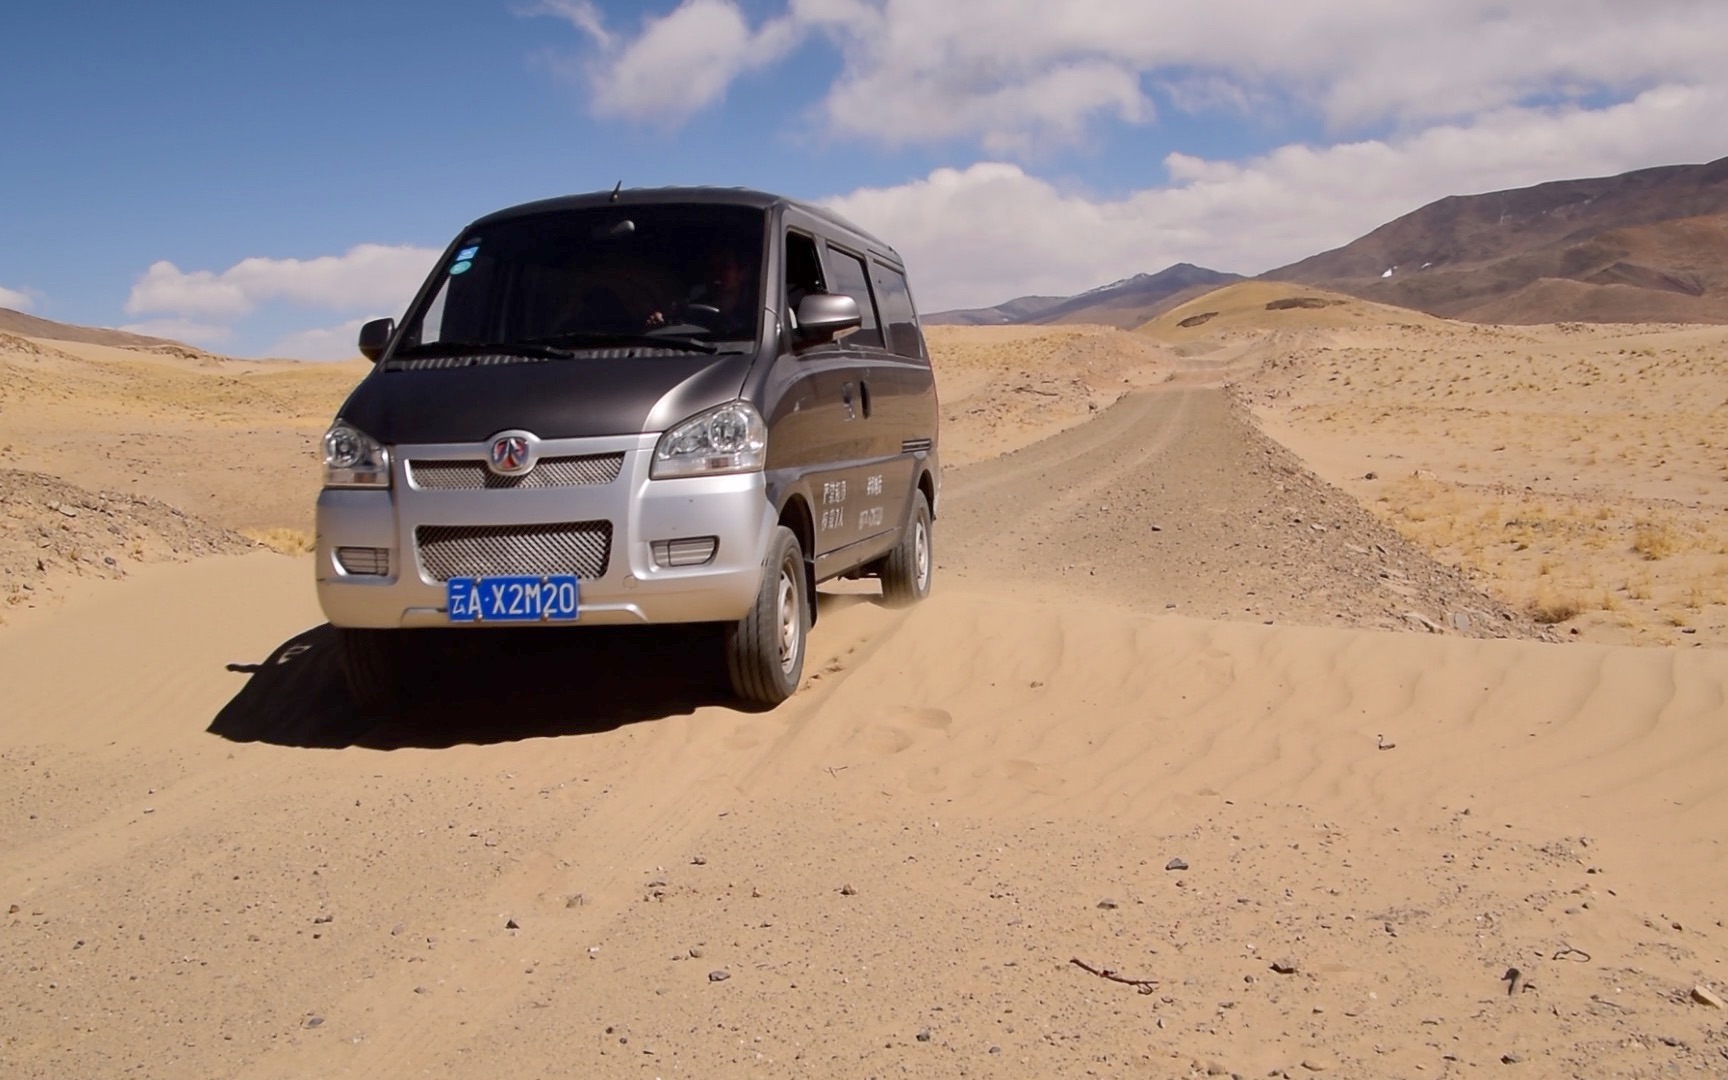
765,649
372,665
906,570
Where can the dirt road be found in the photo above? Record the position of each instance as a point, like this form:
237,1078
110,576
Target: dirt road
1172,500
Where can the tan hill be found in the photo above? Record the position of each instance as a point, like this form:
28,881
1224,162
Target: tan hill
17,322
1644,246
1256,306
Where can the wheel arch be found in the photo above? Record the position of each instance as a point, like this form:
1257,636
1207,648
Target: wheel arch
795,515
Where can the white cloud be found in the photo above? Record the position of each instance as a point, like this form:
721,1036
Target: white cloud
187,330
14,299
992,231
1015,75
366,277
325,343
679,64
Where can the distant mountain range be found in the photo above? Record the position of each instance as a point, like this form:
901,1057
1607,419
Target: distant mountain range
1644,246
1126,303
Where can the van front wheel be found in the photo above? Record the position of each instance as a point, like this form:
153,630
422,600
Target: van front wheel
765,649
906,570
372,665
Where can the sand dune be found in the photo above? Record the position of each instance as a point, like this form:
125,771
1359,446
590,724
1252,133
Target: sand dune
1162,781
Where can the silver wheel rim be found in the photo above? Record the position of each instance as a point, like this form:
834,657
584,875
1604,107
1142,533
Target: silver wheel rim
921,555
789,621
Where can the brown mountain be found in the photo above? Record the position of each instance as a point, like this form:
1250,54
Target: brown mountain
1644,246
16,322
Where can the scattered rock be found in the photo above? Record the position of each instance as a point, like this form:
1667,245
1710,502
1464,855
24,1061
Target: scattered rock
923,1035
1107,904
314,1022
1703,995
719,976
1510,1059
398,930
848,890
1284,966
422,990
320,920
697,860
575,900
1419,621
1317,1063
1176,864
512,924
696,952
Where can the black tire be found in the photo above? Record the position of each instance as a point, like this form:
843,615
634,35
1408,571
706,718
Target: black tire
765,649
906,571
372,664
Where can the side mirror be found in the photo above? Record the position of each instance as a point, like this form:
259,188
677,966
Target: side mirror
822,315
374,336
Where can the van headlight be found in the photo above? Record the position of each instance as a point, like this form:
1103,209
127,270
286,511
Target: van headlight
729,439
354,459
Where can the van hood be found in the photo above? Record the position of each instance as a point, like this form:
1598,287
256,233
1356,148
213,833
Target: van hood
471,399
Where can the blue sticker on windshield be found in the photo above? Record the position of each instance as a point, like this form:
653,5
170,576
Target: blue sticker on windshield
460,267
468,253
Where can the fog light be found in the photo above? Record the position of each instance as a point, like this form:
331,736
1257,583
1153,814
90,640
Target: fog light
689,551
363,560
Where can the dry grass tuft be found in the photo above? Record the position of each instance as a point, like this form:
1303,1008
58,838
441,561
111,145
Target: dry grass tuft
1551,606
287,541
1655,540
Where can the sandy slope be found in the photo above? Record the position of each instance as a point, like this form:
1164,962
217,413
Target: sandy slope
214,866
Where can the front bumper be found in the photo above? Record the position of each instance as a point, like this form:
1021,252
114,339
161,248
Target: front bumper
623,585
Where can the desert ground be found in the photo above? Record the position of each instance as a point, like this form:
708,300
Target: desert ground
1314,690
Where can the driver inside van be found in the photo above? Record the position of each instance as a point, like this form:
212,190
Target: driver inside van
721,299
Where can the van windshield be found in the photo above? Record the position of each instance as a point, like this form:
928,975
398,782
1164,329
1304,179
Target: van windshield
678,273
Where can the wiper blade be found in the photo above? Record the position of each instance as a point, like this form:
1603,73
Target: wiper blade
601,339
487,348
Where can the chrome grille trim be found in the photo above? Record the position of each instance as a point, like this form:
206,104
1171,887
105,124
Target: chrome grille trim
583,548
473,475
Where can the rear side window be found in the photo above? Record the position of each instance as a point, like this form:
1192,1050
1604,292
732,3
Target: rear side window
847,271
897,313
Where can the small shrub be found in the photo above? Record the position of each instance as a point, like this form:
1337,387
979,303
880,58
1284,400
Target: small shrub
286,541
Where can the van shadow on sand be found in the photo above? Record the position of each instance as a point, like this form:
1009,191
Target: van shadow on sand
492,687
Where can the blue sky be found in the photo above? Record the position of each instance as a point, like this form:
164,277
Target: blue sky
258,179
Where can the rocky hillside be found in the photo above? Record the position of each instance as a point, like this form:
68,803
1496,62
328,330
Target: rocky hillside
1644,246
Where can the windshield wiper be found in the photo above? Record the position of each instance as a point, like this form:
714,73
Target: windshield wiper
601,339
487,348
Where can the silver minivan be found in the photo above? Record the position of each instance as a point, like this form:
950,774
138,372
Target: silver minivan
633,407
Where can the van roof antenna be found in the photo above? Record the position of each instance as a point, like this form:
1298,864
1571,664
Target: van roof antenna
615,191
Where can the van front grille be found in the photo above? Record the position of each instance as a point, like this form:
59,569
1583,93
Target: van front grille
470,475
583,548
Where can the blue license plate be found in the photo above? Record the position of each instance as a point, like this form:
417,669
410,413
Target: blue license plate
516,598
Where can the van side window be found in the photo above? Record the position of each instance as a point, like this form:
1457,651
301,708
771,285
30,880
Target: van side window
897,313
849,278
803,271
